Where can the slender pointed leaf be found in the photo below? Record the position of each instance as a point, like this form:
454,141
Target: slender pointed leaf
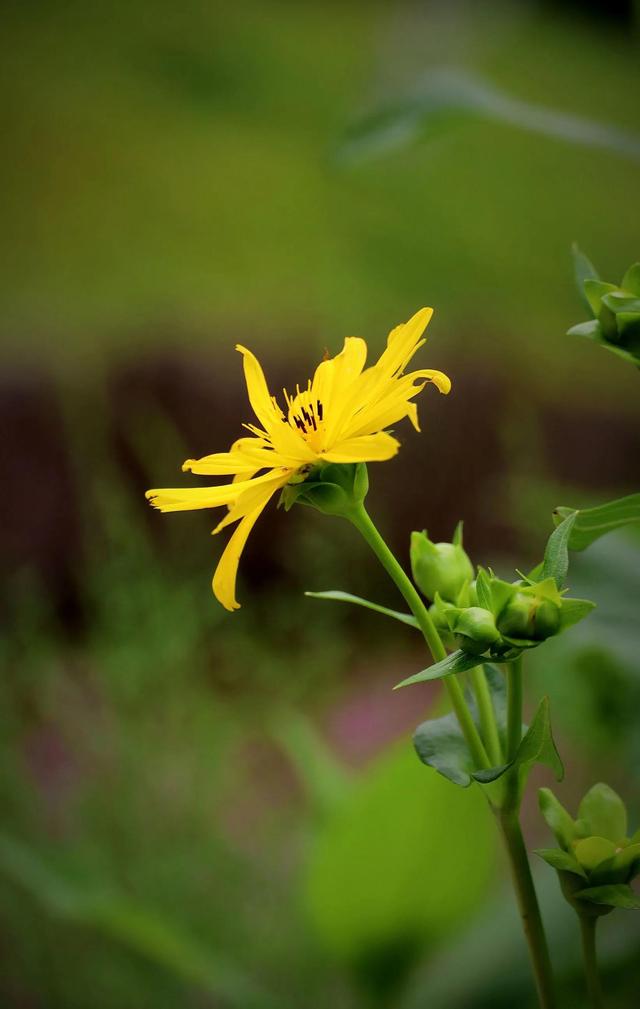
457,662
538,746
346,597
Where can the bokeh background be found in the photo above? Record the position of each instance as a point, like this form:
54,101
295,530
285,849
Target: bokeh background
212,810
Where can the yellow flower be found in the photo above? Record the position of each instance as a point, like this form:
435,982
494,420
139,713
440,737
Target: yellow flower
340,417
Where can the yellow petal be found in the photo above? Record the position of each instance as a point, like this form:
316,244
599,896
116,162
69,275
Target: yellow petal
347,369
403,341
367,448
259,395
441,381
291,446
251,457
251,498
393,403
219,464
224,579
176,499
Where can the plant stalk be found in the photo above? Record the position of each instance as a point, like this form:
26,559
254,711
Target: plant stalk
363,523
594,988
514,706
486,714
528,907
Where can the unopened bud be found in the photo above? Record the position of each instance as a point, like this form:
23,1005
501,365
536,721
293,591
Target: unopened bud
474,628
442,568
529,617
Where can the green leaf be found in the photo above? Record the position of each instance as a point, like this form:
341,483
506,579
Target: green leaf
618,301
457,662
604,812
595,290
572,611
558,819
346,597
406,855
440,744
592,523
538,746
561,860
590,330
631,279
614,895
583,269
556,554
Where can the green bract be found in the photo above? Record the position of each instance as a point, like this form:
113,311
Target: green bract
596,860
332,488
615,309
440,568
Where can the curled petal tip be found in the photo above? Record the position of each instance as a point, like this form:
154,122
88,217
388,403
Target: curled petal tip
186,466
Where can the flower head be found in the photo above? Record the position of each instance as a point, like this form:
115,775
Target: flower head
341,416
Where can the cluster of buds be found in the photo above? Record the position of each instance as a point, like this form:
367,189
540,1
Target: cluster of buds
486,615
596,859
615,310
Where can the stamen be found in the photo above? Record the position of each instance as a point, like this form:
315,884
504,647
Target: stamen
319,406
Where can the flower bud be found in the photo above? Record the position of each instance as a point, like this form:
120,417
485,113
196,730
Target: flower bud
442,568
475,629
527,616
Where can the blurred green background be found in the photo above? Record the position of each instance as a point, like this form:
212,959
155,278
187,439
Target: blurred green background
205,809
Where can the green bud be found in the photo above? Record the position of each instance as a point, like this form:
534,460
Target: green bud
332,488
442,568
596,861
529,617
475,629
615,309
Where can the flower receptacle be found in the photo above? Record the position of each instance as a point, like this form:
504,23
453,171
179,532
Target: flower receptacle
331,488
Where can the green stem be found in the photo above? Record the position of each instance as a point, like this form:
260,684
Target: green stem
362,521
529,907
487,716
588,928
514,706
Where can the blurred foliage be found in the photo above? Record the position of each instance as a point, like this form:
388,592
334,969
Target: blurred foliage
175,170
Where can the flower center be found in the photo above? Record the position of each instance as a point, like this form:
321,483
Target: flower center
307,415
